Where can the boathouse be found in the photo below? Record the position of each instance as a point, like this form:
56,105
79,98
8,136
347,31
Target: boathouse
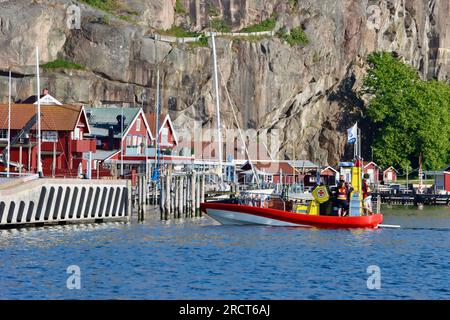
373,170
63,146
329,176
441,180
269,172
390,175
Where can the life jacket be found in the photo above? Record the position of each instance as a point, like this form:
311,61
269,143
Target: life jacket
366,189
342,193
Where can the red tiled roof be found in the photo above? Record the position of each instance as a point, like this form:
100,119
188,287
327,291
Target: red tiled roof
54,117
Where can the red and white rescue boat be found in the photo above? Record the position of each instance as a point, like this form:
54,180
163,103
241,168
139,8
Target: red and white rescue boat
238,214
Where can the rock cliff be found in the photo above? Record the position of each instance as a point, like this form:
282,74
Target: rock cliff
309,93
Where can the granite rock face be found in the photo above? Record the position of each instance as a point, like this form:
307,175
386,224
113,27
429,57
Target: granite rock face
307,94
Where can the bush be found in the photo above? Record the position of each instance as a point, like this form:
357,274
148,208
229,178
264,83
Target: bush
105,5
212,10
179,32
266,25
297,37
220,25
112,7
179,8
202,42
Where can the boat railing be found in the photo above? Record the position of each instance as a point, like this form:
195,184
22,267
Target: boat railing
253,199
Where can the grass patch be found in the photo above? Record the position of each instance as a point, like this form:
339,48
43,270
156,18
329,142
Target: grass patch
105,5
179,32
297,37
179,8
114,8
62,64
266,25
219,25
212,10
248,39
202,42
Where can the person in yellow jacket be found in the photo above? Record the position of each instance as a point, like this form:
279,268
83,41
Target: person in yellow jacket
343,195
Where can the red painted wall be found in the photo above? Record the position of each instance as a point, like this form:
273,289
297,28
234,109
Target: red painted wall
170,139
447,182
67,161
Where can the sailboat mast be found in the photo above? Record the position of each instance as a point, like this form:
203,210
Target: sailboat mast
38,97
157,153
216,86
9,125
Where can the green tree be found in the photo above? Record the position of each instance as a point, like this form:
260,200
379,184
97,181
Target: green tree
409,116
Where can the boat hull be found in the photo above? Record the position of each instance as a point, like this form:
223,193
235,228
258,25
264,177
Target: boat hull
235,214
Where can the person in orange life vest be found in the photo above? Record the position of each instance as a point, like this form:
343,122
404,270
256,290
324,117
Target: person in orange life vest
367,197
343,195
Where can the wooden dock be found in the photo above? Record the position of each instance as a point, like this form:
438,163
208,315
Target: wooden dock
412,199
178,195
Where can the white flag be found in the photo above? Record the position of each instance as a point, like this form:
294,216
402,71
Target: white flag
352,134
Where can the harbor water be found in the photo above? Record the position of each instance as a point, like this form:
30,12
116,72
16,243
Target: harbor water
199,259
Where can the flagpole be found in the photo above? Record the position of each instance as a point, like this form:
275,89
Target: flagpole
9,126
356,142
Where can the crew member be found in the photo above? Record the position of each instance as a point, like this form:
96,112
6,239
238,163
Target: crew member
367,197
342,197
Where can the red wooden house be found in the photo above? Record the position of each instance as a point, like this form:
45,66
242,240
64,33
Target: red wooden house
123,138
270,172
441,180
136,147
167,137
62,131
373,170
329,176
390,175
447,179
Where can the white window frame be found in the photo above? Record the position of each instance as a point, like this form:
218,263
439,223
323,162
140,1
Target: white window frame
4,134
77,133
47,137
138,124
165,136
